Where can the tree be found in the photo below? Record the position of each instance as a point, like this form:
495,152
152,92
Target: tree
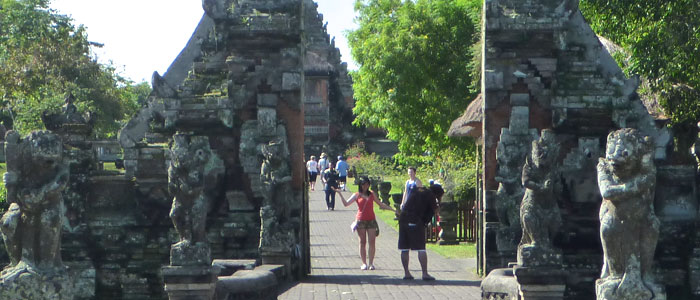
416,70
662,40
43,56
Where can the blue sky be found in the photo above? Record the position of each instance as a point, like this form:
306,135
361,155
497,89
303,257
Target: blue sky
142,36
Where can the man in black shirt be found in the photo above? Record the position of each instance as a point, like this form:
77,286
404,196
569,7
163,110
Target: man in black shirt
330,177
419,208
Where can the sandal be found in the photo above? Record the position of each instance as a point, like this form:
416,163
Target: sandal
371,266
408,277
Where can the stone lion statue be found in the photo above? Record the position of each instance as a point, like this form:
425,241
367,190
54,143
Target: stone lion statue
629,228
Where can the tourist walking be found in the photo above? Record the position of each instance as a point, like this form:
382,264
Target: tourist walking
412,183
330,179
365,221
323,162
313,169
342,168
415,213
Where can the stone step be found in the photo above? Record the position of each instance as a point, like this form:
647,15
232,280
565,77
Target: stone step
231,266
259,283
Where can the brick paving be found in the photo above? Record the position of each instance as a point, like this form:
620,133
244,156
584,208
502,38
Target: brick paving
335,264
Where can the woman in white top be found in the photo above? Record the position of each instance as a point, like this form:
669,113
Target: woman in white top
312,168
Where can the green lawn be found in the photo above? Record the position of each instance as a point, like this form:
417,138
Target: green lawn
463,250
109,166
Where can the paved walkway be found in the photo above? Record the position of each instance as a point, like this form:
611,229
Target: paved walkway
335,264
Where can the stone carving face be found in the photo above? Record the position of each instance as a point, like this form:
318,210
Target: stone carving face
544,150
624,149
190,158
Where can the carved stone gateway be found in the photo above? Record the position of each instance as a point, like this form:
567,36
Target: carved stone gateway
31,228
629,228
545,68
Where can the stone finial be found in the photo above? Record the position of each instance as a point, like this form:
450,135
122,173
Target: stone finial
193,177
539,212
629,229
31,228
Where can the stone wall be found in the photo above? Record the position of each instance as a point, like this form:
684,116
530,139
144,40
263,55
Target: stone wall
544,68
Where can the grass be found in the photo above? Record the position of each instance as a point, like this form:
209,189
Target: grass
109,166
463,250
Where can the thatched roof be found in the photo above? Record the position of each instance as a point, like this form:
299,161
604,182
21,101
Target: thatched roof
469,124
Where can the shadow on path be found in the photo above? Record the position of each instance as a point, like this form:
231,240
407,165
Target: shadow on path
349,280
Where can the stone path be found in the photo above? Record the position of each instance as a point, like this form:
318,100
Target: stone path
335,264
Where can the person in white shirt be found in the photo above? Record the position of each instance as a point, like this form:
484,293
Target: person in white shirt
324,163
313,169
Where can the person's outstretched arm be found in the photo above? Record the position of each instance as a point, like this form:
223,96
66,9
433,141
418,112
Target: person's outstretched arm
352,199
382,205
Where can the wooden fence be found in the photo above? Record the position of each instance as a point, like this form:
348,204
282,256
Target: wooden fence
466,224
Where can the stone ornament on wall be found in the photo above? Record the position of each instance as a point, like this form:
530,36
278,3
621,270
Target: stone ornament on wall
539,213
629,229
275,174
193,178
31,228
510,153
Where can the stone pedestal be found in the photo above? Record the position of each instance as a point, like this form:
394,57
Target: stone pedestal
609,289
540,283
534,256
24,282
500,284
448,223
187,254
278,258
190,282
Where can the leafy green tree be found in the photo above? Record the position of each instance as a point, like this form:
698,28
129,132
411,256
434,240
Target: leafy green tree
416,70
662,39
43,56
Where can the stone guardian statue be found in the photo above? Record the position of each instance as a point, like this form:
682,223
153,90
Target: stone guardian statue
31,228
276,178
194,175
629,229
539,212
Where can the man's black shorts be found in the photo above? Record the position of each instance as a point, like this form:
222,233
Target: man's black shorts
411,236
342,178
312,176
